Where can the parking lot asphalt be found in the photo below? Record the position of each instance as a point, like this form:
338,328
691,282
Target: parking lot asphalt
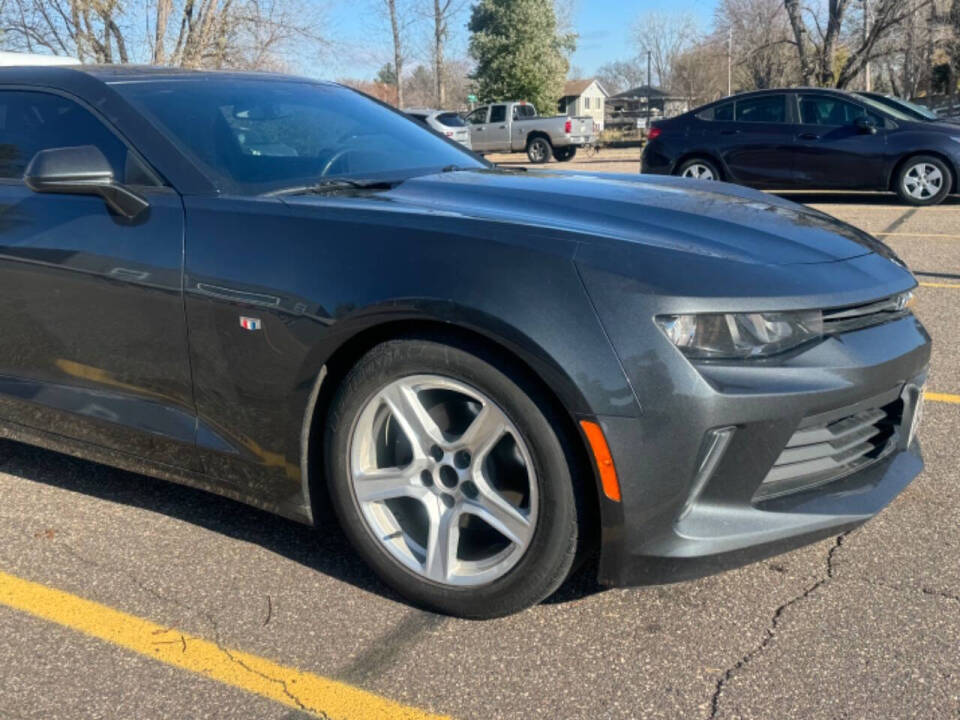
122,596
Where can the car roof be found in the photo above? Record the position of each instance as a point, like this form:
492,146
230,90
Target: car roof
769,91
779,91
128,73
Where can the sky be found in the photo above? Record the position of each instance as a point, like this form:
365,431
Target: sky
363,45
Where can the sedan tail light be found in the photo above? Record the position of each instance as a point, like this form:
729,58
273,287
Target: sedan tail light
568,128
655,132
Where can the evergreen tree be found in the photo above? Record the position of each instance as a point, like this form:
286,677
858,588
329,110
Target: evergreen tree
520,52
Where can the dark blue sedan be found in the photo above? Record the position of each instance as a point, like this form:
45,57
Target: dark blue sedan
809,139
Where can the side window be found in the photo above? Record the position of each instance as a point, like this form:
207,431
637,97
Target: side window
35,121
720,113
477,117
827,110
498,113
765,109
586,103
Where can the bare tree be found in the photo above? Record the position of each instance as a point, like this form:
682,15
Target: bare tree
663,37
763,56
189,33
817,50
700,73
398,46
907,55
444,12
622,75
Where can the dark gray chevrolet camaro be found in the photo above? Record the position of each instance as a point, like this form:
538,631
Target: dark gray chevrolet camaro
285,292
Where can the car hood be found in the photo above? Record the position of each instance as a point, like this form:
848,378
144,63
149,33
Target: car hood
713,219
943,125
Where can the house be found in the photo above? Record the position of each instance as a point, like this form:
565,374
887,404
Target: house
635,107
582,98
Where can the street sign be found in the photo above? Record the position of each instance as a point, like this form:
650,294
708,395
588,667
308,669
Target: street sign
471,98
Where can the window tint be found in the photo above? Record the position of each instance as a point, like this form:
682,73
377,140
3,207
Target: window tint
827,110
451,120
498,113
524,111
767,109
721,113
477,117
258,136
35,121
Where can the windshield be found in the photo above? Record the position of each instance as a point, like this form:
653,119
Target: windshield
254,136
885,108
920,109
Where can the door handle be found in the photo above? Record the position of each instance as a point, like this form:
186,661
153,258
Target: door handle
729,132
503,127
809,136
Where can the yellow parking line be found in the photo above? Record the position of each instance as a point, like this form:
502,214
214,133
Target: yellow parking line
289,686
948,286
943,397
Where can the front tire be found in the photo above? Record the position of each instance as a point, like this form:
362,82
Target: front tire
924,180
448,476
539,150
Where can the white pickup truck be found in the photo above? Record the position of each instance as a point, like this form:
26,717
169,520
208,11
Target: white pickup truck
516,127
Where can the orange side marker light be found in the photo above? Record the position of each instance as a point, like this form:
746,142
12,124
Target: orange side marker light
603,458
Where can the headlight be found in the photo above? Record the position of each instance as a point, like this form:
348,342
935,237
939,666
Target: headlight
741,335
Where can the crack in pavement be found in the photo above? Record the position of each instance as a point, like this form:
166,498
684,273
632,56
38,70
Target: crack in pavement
771,630
208,617
768,638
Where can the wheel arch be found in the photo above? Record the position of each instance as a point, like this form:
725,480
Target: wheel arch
558,391
531,136
906,157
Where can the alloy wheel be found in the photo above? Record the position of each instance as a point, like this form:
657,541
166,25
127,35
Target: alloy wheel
923,181
699,171
444,480
538,151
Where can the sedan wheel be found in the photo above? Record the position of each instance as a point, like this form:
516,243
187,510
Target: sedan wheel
699,170
924,181
448,475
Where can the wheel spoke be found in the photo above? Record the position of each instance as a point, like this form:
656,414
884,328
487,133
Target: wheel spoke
484,432
491,507
413,418
441,560
388,483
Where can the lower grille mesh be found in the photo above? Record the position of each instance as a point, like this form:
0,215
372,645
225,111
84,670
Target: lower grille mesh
833,445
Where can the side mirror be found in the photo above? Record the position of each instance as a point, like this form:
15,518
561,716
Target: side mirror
866,125
81,171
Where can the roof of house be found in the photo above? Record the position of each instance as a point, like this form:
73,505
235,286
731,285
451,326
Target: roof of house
576,88
644,91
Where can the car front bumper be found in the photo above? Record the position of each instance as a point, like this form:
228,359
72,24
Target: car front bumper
690,508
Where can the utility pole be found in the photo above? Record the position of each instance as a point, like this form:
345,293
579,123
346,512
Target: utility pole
730,61
649,85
